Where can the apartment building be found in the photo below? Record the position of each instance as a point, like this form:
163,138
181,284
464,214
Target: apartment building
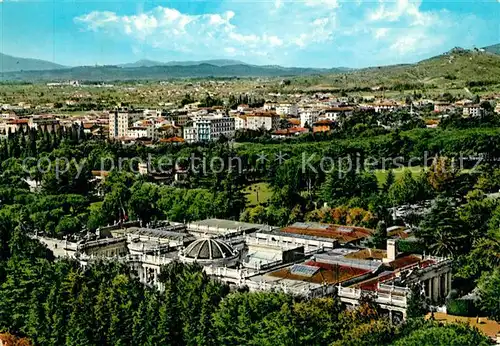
287,109
143,129
308,116
472,110
120,120
240,122
209,128
43,122
266,120
334,113
385,106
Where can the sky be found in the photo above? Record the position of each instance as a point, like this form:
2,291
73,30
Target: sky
308,33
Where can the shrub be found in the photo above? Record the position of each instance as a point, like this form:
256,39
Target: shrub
461,307
410,246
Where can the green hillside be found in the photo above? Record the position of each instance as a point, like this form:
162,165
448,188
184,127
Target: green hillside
114,73
455,69
12,64
151,63
494,49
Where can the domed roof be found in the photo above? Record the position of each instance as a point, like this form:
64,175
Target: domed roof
208,249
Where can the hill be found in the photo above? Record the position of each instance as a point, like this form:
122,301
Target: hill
455,69
107,73
216,62
151,63
494,49
142,63
12,64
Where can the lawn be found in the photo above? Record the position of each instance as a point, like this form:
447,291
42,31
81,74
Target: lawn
381,174
416,171
257,193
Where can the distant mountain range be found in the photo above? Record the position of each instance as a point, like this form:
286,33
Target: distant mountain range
13,64
494,49
149,70
22,69
151,63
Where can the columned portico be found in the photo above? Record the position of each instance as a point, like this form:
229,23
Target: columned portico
437,287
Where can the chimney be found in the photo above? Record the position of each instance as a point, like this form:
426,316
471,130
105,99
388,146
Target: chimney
392,251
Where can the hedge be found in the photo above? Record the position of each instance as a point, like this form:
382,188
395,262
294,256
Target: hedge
410,246
461,307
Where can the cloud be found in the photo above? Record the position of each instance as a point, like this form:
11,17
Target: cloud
230,51
97,20
402,10
381,32
283,30
328,4
170,29
415,41
405,29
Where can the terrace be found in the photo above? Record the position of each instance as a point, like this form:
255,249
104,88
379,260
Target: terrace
319,273
344,234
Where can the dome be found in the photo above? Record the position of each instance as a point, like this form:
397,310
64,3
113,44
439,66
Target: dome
208,249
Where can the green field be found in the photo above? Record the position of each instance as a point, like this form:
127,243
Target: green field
416,171
381,174
257,193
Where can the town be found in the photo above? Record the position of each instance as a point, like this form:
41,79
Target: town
282,116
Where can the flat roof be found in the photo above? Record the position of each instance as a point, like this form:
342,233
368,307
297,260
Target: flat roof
372,283
155,232
293,284
368,254
228,225
296,235
327,273
405,261
344,234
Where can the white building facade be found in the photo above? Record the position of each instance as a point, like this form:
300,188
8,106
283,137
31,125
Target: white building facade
472,111
209,128
309,117
335,113
287,109
120,121
266,121
240,122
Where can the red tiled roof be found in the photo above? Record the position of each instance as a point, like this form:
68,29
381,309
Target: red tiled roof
344,234
172,139
262,114
17,121
324,122
339,109
291,131
386,104
405,261
328,273
100,173
372,284
399,233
